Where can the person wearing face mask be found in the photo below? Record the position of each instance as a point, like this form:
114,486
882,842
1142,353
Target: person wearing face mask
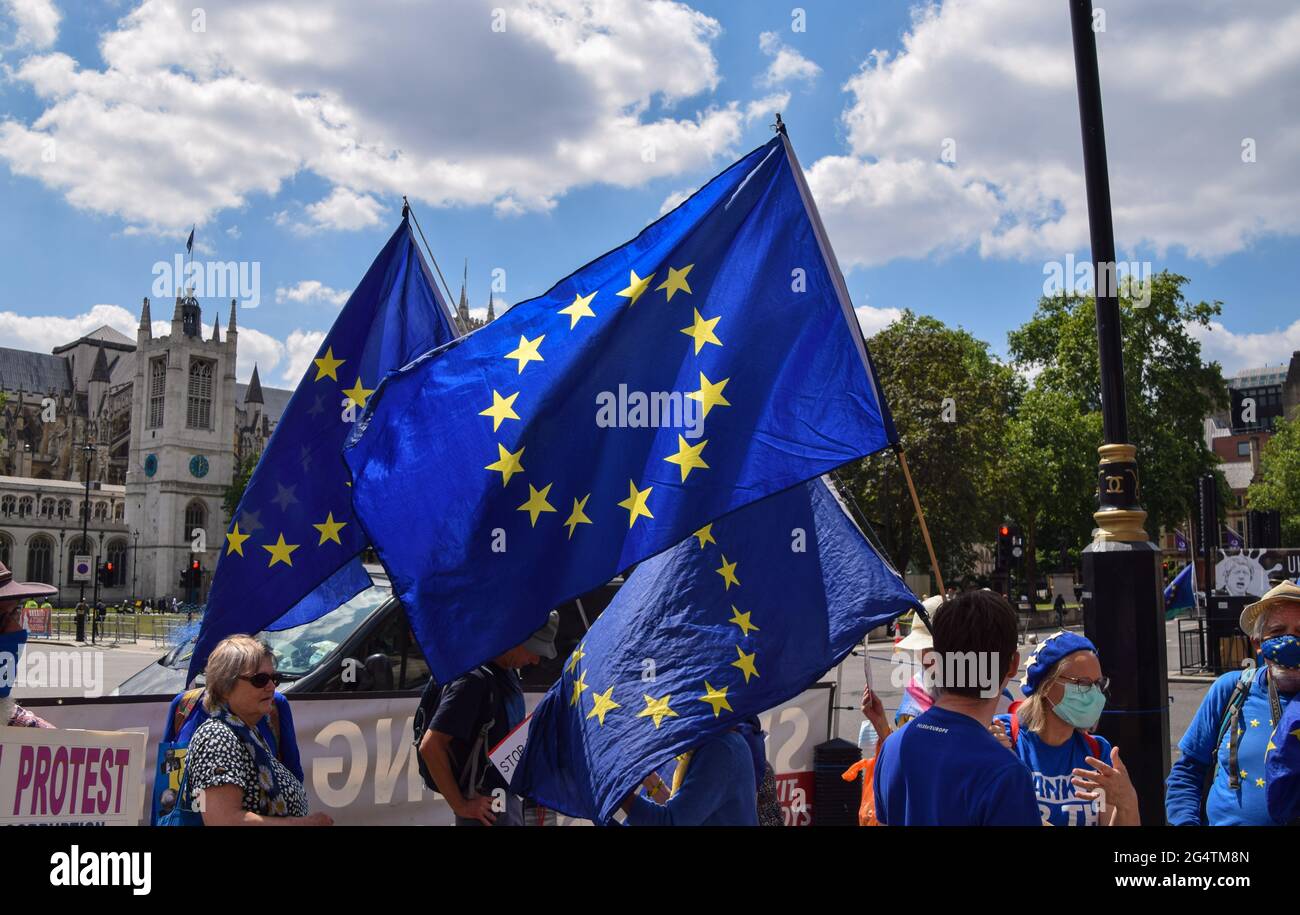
1282,762
944,768
1239,727
1079,779
13,638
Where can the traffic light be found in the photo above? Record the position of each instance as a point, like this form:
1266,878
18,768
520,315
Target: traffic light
1003,553
196,574
105,574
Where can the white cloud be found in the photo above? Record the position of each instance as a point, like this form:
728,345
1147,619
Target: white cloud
787,63
1246,350
873,320
37,21
41,333
344,209
300,348
305,291
233,232
676,199
179,125
1183,85
768,104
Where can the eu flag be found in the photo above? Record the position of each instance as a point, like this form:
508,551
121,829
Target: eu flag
1180,594
711,361
737,619
293,551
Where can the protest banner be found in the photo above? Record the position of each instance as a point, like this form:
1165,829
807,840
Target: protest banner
71,778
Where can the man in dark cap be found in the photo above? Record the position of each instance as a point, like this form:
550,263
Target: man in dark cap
474,713
13,636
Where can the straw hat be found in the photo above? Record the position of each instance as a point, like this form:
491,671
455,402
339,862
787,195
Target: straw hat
1285,594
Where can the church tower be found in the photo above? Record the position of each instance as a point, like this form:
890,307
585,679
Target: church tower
182,448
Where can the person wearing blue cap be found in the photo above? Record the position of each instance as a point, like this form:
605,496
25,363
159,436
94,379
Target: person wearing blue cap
1079,778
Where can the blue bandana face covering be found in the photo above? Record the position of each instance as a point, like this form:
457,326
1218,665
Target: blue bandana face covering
11,647
1081,707
1283,650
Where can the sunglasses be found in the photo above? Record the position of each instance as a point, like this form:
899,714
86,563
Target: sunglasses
1102,683
260,681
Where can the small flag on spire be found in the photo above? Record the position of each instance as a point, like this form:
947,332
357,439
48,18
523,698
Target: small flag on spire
189,242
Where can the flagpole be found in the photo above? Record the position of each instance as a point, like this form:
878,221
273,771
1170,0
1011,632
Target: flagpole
842,292
407,209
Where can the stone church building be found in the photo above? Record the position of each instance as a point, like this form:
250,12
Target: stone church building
157,426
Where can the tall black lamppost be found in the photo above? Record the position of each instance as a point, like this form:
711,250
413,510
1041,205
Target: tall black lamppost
1123,603
135,551
89,451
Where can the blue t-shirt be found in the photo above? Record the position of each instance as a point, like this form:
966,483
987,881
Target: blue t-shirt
945,769
1248,805
1052,769
1283,768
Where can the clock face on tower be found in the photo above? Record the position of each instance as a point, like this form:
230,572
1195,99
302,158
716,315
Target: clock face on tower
150,464
199,466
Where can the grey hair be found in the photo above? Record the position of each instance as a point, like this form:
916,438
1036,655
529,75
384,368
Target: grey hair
234,656
1261,622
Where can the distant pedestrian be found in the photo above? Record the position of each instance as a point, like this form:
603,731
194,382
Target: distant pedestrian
81,611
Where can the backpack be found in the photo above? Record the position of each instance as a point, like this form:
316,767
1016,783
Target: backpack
1229,722
169,785
429,701
1094,747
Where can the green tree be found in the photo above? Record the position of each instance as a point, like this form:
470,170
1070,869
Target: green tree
950,400
235,491
1169,390
1050,472
1277,488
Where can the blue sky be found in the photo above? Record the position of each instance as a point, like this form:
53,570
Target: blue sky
289,130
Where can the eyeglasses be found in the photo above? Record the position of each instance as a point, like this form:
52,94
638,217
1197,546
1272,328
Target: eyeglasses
1102,683
260,681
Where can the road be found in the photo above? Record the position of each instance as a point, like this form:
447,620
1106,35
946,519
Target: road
67,669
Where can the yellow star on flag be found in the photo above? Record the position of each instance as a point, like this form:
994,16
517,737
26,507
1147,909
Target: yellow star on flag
578,686
687,457
709,395
705,535
1296,733
716,698
635,287
577,516
728,573
1243,773
1254,722
702,331
741,620
1259,783
526,351
635,503
329,529
578,655
280,551
657,709
507,463
581,308
235,541
1271,746
357,394
502,408
327,366
746,664
537,503
603,705
676,281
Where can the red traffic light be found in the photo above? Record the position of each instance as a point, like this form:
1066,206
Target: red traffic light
109,566
194,565
1005,530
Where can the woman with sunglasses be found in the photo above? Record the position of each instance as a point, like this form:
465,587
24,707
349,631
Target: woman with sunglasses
230,761
1079,779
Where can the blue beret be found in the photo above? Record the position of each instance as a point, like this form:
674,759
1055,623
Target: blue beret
1049,651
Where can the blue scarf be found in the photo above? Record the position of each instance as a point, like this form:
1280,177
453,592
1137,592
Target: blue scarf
270,797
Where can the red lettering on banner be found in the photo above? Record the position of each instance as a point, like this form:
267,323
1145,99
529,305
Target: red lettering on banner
123,758
39,779
78,757
794,791
59,781
92,757
26,762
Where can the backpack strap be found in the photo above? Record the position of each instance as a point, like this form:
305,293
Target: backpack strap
478,751
1094,746
184,708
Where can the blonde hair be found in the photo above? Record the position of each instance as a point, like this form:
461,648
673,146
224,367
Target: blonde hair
1034,710
234,656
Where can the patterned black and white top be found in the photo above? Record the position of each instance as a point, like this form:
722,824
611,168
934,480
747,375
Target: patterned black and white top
218,757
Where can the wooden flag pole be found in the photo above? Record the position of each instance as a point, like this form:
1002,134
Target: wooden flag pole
920,516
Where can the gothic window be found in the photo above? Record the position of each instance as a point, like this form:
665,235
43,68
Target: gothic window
6,551
25,506
198,413
116,554
119,511
40,559
47,508
157,390
101,511
65,508
196,515
8,505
